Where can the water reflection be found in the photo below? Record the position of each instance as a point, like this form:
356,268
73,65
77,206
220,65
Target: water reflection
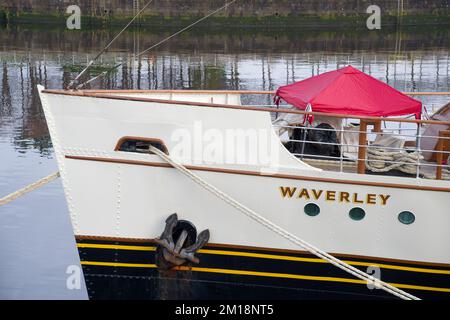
21,116
410,61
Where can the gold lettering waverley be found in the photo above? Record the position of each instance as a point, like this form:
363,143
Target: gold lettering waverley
332,195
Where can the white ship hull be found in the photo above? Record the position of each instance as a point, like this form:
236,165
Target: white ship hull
118,198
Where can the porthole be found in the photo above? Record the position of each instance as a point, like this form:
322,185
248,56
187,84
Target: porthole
312,209
357,214
406,217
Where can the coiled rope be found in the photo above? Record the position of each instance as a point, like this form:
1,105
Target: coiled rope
382,160
33,186
284,233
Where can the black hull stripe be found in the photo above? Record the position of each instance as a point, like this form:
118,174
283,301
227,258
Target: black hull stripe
129,260
214,251
263,274
269,267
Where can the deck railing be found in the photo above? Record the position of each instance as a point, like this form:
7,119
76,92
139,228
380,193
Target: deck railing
368,130
411,130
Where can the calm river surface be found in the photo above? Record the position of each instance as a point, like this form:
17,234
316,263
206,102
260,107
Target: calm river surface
36,241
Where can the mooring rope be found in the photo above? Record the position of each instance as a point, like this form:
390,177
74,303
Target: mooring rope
158,43
33,186
284,233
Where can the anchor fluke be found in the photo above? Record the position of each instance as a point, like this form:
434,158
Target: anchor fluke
188,253
166,238
179,242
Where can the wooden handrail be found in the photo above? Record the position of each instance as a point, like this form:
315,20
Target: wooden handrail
187,91
429,93
86,93
417,93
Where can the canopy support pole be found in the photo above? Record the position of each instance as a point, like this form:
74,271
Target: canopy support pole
362,147
440,152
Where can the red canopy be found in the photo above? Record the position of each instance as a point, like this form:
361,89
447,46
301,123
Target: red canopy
349,91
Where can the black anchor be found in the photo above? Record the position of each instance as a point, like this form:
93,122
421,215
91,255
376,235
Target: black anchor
174,252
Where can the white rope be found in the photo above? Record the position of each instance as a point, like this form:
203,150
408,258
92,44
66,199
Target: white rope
381,160
285,234
33,186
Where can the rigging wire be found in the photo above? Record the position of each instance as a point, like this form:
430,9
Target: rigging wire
107,46
159,43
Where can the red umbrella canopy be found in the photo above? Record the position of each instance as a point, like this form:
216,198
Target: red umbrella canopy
349,91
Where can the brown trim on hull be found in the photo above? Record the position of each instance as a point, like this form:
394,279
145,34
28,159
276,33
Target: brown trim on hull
255,173
229,106
287,251
101,238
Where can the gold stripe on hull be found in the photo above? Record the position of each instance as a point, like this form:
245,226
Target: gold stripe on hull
268,256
